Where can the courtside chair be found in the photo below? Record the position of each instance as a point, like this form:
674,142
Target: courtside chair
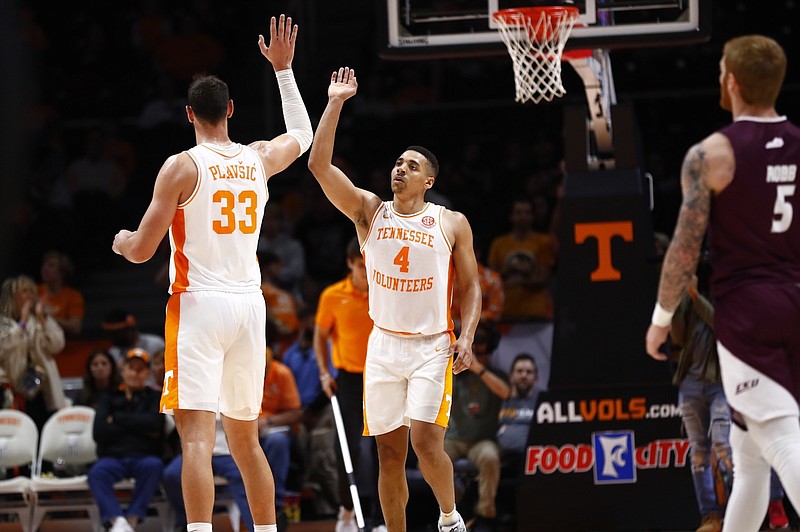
224,499
19,439
67,440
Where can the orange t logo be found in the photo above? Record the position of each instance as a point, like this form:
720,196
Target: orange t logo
604,232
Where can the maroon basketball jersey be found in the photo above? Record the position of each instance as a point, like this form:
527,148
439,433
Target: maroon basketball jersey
754,227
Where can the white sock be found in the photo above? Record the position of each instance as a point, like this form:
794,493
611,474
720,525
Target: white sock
198,527
449,518
265,528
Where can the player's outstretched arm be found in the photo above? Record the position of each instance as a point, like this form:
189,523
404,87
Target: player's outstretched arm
177,176
279,153
357,204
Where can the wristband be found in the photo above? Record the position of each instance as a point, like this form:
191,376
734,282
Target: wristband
661,316
481,372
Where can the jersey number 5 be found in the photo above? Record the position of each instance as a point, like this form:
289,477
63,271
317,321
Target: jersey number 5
783,209
228,224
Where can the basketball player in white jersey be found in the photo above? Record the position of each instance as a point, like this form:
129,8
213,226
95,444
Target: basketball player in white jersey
211,198
414,251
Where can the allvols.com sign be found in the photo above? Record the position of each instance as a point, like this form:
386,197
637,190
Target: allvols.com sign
609,451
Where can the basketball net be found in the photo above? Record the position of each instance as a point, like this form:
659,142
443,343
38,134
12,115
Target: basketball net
535,39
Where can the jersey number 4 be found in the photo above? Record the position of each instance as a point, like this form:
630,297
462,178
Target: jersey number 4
227,201
401,259
783,209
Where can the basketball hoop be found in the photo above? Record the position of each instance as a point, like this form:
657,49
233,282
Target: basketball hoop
535,39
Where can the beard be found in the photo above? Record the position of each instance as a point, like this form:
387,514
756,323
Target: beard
724,95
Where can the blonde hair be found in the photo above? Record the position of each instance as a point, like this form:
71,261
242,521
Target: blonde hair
759,65
12,286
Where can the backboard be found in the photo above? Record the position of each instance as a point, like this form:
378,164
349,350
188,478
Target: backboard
429,29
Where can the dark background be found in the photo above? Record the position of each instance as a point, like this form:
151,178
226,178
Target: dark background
69,67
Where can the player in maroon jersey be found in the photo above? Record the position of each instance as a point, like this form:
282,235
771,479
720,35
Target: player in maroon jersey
739,184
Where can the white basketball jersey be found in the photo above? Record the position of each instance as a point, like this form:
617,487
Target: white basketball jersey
214,235
410,269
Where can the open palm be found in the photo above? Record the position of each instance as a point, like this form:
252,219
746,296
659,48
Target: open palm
343,84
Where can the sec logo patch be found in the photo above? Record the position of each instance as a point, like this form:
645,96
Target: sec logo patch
428,221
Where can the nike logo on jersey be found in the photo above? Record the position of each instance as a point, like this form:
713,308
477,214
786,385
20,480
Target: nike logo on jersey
774,144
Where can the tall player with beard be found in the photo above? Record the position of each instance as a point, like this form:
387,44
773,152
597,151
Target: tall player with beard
740,184
414,251
212,198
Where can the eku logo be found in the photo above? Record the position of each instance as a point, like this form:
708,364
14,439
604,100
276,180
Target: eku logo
614,457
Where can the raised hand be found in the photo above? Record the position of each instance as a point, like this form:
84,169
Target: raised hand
282,36
343,84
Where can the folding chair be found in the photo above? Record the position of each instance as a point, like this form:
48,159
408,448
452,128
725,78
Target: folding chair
224,498
66,439
19,439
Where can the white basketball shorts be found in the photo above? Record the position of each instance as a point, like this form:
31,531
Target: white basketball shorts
405,378
215,353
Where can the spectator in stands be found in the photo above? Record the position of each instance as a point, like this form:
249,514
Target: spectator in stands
102,375
317,432
158,369
516,414
275,239
492,291
63,302
29,340
477,397
95,182
300,359
222,465
343,326
129,431
776,513
280,413
281,304
525,258
705,411
124,335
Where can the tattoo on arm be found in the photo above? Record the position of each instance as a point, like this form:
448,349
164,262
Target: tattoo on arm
681,260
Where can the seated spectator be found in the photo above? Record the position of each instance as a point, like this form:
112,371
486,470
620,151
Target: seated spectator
129,431
29,340
124,335
275,239
102,375
280,413
492,291
525,257
317,432
281,304
157,369
477,396
222,465
61,300
516,414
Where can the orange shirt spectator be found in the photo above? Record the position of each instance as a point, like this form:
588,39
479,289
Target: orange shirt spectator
493,296
525,258
280,390
344,311
61,301
282,317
